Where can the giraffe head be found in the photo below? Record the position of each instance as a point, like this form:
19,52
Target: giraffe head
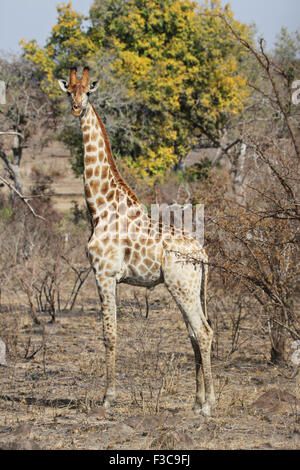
78,89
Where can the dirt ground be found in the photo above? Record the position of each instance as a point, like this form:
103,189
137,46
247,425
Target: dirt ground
53,382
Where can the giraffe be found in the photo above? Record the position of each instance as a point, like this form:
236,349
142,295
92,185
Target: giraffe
127,246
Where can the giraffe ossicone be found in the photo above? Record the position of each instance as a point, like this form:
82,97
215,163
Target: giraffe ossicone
127,246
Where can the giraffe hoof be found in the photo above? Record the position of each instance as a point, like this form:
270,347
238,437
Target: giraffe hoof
204,410
108,402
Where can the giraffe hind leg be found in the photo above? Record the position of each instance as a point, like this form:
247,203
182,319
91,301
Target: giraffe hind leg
201,338
183,283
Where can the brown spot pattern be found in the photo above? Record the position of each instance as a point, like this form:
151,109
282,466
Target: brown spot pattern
90,160
148,262
100,201
110,196
88,191
91,148
95,186
94,135
104,172
89,172
104,187
92,209
127,253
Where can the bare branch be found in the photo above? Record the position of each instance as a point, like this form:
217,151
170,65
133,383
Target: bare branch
23,198
12,133
265,62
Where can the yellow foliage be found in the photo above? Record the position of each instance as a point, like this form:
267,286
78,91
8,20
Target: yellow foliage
66,44
178,58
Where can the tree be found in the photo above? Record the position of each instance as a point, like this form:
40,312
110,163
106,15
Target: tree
179,66
184,68
255,240
67,45
116,108
26,106
287,47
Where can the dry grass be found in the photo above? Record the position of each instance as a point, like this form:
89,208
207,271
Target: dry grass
57,390
55,374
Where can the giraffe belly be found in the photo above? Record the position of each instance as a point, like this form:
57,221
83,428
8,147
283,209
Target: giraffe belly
138,275
141,282
141,264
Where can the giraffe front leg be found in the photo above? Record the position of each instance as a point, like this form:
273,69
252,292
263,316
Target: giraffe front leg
107,293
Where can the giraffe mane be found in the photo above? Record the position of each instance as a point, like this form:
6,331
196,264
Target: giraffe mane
112,162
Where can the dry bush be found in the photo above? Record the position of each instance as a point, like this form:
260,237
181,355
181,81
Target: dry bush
253,233
43,263
251,198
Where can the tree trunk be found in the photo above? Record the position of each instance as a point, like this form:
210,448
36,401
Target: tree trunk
238,172
13,167
278,339
15,175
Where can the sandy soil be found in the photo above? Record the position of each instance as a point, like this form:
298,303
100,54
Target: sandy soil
53,383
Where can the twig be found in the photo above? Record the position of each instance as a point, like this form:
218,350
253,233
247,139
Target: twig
80,280
294,333
289,377
28,356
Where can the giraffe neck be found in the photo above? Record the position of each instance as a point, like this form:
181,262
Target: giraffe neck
102,182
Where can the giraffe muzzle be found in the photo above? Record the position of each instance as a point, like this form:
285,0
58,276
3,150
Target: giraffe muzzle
76,110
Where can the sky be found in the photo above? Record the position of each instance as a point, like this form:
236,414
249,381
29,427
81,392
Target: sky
33,19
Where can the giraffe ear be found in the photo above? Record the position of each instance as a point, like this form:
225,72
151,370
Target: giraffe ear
93,86
63,85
